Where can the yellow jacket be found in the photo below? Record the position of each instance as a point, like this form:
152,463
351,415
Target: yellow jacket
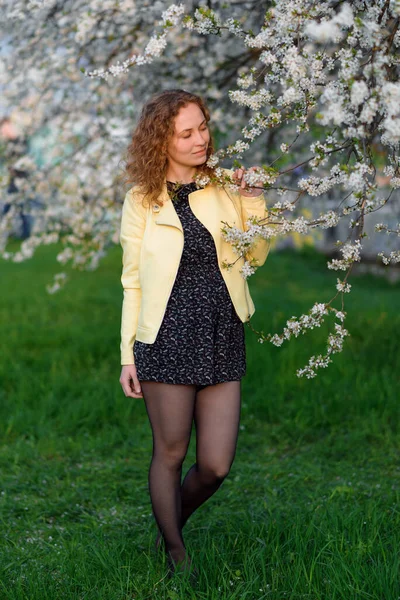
152,243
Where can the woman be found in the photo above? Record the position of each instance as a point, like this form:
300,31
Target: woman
182,326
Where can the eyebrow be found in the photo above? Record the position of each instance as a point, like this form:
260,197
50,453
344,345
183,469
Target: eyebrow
183,130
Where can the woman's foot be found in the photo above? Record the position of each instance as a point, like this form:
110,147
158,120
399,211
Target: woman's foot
158,541
178,564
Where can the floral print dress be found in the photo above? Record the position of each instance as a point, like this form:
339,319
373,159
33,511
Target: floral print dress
201,339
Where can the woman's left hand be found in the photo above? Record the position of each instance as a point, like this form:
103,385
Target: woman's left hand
251,191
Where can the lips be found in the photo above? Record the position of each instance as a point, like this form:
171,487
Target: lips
200,152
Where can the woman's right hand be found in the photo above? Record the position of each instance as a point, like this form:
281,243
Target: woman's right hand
130,383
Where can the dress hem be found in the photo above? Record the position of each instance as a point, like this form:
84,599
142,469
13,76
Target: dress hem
188,383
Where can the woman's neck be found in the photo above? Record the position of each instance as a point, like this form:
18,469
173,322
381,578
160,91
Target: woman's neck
181,175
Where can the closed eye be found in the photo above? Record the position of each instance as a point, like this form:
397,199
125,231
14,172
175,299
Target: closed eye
201,129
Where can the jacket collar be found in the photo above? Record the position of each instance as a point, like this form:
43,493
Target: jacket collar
199,202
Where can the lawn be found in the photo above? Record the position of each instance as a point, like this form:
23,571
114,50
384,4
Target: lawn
310,508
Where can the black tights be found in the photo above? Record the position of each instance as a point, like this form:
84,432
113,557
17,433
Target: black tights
171,409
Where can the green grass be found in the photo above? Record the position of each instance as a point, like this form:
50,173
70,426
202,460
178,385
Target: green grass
310,508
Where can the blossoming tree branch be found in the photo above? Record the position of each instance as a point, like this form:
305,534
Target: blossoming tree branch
325,67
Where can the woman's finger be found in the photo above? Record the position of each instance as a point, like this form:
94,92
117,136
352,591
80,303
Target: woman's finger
131,389
243,184
135,385
237,174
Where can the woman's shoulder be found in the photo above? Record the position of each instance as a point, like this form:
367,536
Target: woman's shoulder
134,191
135,194
134,200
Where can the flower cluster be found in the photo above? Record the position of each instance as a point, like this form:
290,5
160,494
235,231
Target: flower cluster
294,327
391,110
316,186
314,318
213,160
247,269
237,148
335,344
329,219
384,227
233,26
359,93
204,21
16,11
260,122
341,286
243,241
322,151
172,15
266,175
156,45
393,258
283,205
245,80
202,180
332,29
393,171
357,178
350,253
154,48
254,99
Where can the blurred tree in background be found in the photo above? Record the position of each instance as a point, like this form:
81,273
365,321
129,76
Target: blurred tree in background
307,90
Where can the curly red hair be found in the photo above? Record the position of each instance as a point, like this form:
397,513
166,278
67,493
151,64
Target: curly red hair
146,156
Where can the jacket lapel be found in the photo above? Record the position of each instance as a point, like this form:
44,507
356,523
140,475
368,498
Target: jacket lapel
207,209
210,206
202,203
166,214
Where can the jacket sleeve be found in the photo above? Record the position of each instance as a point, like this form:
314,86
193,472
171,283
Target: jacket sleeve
253,206
133,222
256,206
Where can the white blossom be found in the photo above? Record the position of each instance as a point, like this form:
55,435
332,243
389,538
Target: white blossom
331,30
359,92
173,14
156,45
350,253
393,258
253,100
343,287
247,270
213,160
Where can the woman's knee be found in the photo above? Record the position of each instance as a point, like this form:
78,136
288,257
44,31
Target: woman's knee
171,456
214,472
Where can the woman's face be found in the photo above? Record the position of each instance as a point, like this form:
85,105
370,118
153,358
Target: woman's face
188,145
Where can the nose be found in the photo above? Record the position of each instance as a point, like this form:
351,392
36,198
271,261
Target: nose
202,139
